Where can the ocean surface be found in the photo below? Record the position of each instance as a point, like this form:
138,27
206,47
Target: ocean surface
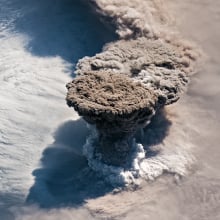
43,174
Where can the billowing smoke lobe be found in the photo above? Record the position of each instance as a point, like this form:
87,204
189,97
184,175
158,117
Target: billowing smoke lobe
31,105
104,99
149,53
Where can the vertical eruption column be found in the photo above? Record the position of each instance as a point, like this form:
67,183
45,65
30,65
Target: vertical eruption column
118,106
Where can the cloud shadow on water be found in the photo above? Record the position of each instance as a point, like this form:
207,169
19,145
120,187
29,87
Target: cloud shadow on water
65,28
65,180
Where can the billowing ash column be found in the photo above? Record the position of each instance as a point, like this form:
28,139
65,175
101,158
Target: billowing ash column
119,89
118,106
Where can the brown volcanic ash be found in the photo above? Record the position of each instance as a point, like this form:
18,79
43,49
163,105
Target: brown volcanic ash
144,29
134,18
118,107
120,88
148,50
155,63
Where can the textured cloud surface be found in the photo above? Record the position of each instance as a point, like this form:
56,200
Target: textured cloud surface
149,52
39,42
41,157
148,44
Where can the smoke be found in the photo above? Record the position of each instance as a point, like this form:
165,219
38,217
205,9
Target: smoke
35,213
151,19
161,61
149,51
148,159
141,167
158,65
135,18
34,71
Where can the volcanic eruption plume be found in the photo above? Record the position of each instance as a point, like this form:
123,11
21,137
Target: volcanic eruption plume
118,107
121,88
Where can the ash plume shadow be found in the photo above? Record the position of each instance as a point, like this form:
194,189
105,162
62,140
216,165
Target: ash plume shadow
65,28
155,132
6,201
65,180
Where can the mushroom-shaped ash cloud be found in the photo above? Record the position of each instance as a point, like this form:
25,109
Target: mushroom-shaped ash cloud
158,65
118,106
